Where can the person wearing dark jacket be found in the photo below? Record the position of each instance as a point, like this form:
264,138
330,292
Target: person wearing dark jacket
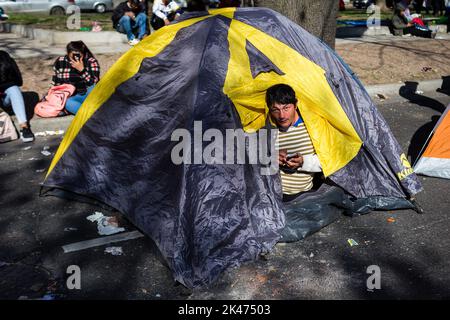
129,17
10,94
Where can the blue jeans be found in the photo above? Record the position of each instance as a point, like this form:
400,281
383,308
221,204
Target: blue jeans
14,99
126,25
74,103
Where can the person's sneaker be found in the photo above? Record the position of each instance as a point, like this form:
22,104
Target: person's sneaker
133,42
26,135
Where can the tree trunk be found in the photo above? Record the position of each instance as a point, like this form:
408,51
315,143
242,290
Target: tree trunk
318,16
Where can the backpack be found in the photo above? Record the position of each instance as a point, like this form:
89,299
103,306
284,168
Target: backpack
7,130
54,102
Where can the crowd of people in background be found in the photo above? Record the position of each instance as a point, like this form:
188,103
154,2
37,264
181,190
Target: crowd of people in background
77,72
132,17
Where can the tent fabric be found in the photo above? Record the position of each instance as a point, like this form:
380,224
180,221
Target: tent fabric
214,68
435,161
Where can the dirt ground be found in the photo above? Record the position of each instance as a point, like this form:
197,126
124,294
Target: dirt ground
379,63
388,62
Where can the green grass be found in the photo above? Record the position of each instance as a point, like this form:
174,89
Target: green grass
59,22
355,14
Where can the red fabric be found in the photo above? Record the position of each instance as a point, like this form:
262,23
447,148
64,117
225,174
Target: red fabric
54,101
418,21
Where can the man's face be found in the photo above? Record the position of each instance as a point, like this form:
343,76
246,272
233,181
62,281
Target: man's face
284,115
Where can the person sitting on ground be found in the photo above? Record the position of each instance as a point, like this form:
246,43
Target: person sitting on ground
297,157
164,12
10,94
401,25
78,68
129,17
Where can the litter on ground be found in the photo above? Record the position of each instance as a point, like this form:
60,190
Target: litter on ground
48,133
115,251
105,225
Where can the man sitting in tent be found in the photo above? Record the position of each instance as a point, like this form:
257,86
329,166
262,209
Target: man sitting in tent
297,157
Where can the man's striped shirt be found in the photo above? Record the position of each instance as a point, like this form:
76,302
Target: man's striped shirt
296,140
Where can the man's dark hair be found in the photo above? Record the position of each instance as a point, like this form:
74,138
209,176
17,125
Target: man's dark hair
280,93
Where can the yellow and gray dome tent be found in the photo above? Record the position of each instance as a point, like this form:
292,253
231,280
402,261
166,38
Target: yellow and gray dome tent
215,67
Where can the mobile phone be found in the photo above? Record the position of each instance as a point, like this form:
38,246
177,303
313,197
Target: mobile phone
77,56
291,156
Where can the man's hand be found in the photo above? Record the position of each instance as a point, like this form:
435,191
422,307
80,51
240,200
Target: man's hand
166,22
77,64
282,157
294,162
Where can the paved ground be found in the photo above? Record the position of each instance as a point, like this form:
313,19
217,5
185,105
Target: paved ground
412,252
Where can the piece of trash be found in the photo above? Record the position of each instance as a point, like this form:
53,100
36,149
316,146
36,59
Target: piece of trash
26,148
46,153
32,159
425,69
70,229
48,133
40,170
261,278
46,148
381,96
311,255
3,263
352,242
419,92
105,225
115,251
96,27
158,295
390,220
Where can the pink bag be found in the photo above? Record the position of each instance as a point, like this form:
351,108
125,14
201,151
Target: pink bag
54,101
7,130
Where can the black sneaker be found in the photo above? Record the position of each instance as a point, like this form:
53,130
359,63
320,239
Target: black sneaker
26,135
